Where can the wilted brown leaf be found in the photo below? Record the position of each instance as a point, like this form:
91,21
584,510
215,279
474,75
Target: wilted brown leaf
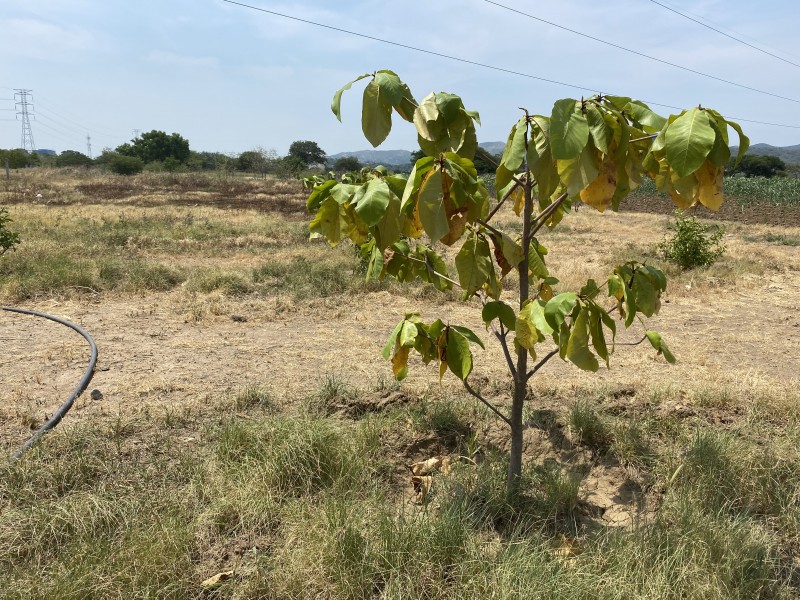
217,579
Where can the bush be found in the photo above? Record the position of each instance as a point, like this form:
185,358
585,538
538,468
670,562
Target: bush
693,244
8,239
125,165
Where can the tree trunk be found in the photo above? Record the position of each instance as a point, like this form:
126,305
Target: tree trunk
521,379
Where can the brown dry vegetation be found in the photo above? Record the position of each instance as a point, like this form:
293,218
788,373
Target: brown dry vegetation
213,312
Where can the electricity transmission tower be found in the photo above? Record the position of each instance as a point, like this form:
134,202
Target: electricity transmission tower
89,144
23,100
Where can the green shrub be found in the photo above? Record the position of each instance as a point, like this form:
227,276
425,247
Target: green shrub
693,244
8,239
126,165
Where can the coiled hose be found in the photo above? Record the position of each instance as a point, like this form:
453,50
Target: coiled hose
82,385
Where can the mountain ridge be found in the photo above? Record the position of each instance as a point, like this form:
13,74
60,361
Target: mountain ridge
402,158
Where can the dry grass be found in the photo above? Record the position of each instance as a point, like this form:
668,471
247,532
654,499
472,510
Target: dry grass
221,443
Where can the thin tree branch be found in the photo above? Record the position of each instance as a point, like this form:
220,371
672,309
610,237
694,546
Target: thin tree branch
502,201
488,404
543,216
652,136
540,364
501,336
631,343
489,227
445,277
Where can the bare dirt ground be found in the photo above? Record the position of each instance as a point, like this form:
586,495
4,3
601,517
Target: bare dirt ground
743,334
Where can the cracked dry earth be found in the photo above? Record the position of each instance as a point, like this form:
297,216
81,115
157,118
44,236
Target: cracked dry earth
152,357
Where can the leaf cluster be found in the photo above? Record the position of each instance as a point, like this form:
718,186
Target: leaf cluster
596,150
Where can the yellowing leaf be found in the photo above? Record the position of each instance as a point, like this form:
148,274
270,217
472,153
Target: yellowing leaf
709,177
600,192
518,197
400,363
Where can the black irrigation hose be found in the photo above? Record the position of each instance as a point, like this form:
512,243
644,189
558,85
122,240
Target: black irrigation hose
84,382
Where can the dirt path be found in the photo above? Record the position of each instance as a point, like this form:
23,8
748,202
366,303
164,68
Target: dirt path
151,357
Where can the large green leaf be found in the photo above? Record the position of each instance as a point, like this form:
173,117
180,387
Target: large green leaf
577,173
569,130
469,334
536,264
744,142
330,222
497,309
601,133
372,205
688,141
473,263
459,356
596,331
426,119
319,193
558,307
415,179
434,270
397,93
541,163
642,114
390,343
431,206
578,346
514,151
390,227
337,97
376,115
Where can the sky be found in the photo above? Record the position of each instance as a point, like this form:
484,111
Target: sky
231,79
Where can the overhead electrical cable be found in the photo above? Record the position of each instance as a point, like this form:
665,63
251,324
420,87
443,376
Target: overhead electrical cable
472,62
642,54
727,35
83,127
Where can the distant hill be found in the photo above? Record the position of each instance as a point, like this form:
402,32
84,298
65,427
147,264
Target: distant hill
400,158
377,157
788,154
493,147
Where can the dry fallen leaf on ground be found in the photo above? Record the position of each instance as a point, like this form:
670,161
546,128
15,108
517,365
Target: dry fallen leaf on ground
217,579
426,467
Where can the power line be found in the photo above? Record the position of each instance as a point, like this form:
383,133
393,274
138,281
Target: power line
642,54
472,62
79,124
408,47
727,35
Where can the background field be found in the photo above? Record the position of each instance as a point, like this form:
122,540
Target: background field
249,424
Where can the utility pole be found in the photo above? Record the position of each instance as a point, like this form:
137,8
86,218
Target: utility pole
89,145
23,100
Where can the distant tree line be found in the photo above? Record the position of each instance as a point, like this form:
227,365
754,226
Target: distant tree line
758,166
159,151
